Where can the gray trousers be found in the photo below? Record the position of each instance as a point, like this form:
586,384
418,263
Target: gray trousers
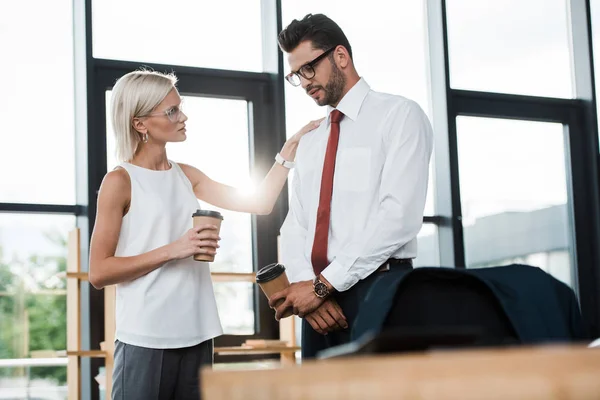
159,374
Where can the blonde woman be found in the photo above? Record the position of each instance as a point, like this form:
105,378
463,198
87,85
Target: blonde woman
143,241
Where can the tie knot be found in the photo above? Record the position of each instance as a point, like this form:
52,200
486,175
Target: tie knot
336,116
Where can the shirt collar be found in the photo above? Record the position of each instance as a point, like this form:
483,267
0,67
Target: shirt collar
351,103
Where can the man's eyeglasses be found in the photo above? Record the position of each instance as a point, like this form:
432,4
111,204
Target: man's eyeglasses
307,71
172,113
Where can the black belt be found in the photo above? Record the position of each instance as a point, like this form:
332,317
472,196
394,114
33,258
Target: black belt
394,263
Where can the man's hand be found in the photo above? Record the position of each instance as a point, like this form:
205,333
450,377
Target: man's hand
299,296
327,318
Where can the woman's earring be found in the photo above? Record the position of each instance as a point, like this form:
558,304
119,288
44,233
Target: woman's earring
145,137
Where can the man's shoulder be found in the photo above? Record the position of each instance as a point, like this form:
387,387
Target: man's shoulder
388,101
309,140
396,108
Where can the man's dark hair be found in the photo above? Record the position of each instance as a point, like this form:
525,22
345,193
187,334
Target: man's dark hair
318,28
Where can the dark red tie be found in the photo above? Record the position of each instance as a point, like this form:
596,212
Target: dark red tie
319,250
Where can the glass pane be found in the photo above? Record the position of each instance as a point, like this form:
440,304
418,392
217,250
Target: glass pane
510,46
37,65
33,252
514,197
209,34
384,25
429,202
217,144
429,250
235,301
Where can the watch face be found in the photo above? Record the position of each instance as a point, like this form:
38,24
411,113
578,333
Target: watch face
321,289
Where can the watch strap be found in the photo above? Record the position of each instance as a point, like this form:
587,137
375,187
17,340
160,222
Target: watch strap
280,160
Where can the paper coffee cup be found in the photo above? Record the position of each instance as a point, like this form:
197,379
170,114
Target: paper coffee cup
203,217
271,280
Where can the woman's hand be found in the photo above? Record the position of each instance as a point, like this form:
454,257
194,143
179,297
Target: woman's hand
305,129
190,244
288,151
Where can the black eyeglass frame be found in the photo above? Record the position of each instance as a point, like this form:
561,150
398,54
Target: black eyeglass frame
308,67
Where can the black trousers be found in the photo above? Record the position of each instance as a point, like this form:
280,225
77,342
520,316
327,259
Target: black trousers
349,301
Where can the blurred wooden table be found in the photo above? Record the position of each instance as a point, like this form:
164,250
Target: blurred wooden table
540,373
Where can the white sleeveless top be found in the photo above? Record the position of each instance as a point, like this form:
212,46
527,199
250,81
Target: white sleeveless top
173,306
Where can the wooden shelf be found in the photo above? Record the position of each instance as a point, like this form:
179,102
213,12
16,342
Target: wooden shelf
242,350
85,353
82,276
73,356
216,276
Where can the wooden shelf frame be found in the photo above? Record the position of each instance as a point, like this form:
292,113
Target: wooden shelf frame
233,276
74,351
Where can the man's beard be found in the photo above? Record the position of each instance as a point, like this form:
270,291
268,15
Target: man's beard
334,88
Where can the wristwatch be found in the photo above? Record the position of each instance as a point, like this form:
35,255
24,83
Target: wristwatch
284,162
320,288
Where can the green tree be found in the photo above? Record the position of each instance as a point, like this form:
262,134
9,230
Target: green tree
34,288
7,306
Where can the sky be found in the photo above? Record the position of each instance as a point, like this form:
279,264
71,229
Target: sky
511,46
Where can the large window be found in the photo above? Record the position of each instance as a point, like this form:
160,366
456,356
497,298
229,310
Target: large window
37,160
515,157
37,155
388,42
33,304
514,198
209,34
519,164
510,46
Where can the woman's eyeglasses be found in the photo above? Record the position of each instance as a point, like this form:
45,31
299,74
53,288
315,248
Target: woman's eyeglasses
172,113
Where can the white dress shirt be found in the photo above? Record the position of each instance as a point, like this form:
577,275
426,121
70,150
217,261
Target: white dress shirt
379,188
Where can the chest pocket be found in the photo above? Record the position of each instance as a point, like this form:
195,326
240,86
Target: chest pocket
353,169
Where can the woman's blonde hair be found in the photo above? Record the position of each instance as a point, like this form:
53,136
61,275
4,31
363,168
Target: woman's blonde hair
136,95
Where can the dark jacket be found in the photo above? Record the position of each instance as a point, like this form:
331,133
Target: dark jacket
539,307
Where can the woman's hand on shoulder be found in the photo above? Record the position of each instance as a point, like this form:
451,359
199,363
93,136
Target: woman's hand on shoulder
312,125
288,151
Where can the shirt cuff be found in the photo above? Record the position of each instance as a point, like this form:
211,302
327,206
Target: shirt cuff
304,275
339,277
